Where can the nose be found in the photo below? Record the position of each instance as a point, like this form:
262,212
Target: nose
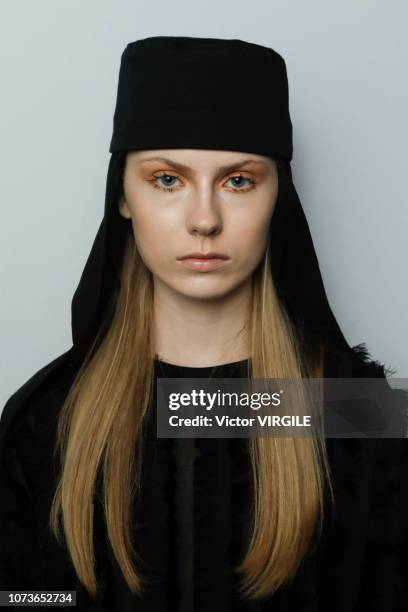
204,215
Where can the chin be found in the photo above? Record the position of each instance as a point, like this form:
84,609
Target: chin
205,288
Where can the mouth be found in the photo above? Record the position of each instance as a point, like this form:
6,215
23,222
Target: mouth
203,262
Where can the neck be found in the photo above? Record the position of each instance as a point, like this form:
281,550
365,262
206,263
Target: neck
199,332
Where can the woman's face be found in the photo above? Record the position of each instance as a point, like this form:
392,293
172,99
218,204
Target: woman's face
186,201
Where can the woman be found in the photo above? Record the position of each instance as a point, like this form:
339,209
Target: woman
94,501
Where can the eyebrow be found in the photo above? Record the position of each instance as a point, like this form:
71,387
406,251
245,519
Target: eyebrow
187,170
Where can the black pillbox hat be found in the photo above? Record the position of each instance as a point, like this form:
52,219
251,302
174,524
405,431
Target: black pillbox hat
202,93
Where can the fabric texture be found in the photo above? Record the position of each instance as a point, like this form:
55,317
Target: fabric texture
191,521
209,108
361,562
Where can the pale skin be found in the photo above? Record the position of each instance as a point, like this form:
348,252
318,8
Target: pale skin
200,316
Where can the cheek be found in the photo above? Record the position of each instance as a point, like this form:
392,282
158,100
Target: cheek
251,237
153,238
144,232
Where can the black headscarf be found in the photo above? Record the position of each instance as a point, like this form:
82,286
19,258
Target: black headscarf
207,93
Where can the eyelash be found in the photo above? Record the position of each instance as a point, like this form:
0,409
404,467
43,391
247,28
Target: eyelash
158,176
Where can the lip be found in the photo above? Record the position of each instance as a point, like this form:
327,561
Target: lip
208,255
203,262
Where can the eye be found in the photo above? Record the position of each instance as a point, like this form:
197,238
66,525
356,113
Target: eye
238,181
166,182
167,185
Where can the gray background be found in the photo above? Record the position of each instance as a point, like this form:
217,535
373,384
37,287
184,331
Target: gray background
346,63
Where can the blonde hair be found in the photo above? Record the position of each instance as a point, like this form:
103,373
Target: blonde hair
101,425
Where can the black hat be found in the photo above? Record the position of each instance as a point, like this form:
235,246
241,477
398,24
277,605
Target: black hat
202,93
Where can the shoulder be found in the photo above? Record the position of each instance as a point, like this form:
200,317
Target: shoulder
33,407
28,426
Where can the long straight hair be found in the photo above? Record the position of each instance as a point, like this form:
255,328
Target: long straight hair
100,430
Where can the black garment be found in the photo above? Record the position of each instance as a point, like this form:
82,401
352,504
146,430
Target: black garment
191,521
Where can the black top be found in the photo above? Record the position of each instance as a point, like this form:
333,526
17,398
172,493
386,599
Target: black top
191,522
207,508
